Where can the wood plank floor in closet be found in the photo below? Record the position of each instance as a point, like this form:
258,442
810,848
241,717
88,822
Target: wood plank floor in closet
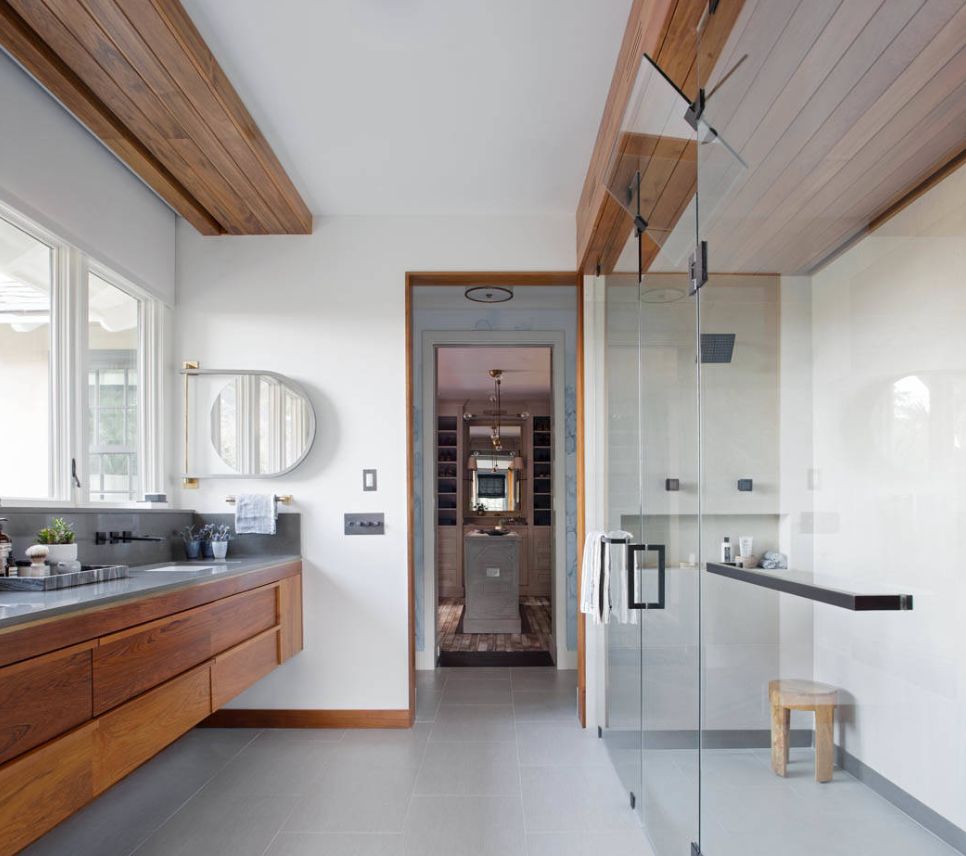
536,612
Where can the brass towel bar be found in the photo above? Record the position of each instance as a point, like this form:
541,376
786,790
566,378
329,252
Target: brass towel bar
285,499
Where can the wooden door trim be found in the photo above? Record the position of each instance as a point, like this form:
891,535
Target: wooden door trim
466,279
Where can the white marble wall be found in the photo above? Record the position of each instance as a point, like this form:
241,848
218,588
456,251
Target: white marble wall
889,427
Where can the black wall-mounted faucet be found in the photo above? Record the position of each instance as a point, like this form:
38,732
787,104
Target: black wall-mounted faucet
125,537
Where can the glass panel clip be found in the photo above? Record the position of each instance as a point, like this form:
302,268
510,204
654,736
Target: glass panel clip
698,266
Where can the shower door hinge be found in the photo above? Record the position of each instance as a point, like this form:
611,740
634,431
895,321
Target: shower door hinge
695,110
633,799
698,266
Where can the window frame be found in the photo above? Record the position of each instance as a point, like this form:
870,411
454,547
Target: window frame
68,377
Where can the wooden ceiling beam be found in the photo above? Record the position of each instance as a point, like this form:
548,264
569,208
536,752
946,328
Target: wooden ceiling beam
138,74
37,58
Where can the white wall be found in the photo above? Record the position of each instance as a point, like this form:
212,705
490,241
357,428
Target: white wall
55,172
328,310
890,449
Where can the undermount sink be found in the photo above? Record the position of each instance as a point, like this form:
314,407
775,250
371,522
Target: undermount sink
179,569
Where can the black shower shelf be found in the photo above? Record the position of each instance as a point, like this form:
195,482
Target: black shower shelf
808,586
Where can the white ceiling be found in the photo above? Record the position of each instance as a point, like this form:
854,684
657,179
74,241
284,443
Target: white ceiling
462,373
423,106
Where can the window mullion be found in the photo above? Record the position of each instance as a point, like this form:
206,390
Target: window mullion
64,354
79,422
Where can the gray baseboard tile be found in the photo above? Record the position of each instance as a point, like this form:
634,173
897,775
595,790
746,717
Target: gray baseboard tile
712,739
926,817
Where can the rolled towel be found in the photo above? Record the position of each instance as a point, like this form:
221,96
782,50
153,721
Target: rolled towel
255,514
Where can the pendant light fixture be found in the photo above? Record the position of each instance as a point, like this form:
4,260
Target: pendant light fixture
495,437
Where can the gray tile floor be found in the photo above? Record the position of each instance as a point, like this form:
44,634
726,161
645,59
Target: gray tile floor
749,811
496,766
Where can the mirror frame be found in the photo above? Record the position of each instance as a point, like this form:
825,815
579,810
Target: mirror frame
190,370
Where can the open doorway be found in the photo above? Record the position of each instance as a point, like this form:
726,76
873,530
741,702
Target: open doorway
494,500
535,310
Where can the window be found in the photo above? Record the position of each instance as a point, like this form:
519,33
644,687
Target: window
80,372
112,392
26,285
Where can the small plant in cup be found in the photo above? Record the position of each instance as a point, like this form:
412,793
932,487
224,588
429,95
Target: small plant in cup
204,534
59,532
60,541
192,542
220,536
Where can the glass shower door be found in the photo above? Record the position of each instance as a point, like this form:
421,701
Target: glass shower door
653,645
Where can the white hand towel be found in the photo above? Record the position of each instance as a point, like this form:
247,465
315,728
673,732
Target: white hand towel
255,514
621,580
590,571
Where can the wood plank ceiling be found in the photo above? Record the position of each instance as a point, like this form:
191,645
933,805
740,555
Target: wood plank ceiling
139,75
839,109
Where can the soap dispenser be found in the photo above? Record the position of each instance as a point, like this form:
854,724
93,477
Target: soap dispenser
727,551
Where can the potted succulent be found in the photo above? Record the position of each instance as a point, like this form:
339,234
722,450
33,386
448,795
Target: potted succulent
59,540
192,542
220,536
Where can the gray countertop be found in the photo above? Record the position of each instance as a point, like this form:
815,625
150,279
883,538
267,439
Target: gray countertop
19,607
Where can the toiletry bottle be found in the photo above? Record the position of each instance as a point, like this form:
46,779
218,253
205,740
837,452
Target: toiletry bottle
727,551
6,550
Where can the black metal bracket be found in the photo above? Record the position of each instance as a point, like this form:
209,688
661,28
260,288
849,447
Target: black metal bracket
698,267
696,110
633,800
600,732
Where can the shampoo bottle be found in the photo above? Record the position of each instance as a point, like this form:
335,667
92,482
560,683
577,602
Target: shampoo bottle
727,551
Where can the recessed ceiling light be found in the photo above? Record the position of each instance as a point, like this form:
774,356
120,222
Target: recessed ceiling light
488,294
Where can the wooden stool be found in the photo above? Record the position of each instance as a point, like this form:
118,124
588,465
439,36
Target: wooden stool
787,695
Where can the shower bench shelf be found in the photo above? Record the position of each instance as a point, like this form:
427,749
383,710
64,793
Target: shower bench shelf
813,588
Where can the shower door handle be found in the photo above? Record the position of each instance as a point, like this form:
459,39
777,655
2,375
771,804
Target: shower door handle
633,549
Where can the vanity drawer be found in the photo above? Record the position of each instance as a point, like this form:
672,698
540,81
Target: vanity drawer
132,661
237,669
45,786
129,736
43,697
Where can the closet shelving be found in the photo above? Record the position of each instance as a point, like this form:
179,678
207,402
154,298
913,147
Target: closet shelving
542,467
447,470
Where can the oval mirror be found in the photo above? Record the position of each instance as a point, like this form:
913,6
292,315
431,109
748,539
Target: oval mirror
262,424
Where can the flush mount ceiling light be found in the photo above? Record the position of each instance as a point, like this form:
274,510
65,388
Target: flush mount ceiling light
662,295
488,294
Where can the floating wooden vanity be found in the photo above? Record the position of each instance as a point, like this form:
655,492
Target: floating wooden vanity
89,694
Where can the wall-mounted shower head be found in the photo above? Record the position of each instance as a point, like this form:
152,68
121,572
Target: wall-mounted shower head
717,347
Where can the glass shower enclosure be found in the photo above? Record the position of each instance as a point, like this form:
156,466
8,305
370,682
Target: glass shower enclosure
785,461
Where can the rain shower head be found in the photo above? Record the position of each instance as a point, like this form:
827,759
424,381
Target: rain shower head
717,347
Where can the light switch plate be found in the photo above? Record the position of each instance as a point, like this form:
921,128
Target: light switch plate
370,480
365,524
